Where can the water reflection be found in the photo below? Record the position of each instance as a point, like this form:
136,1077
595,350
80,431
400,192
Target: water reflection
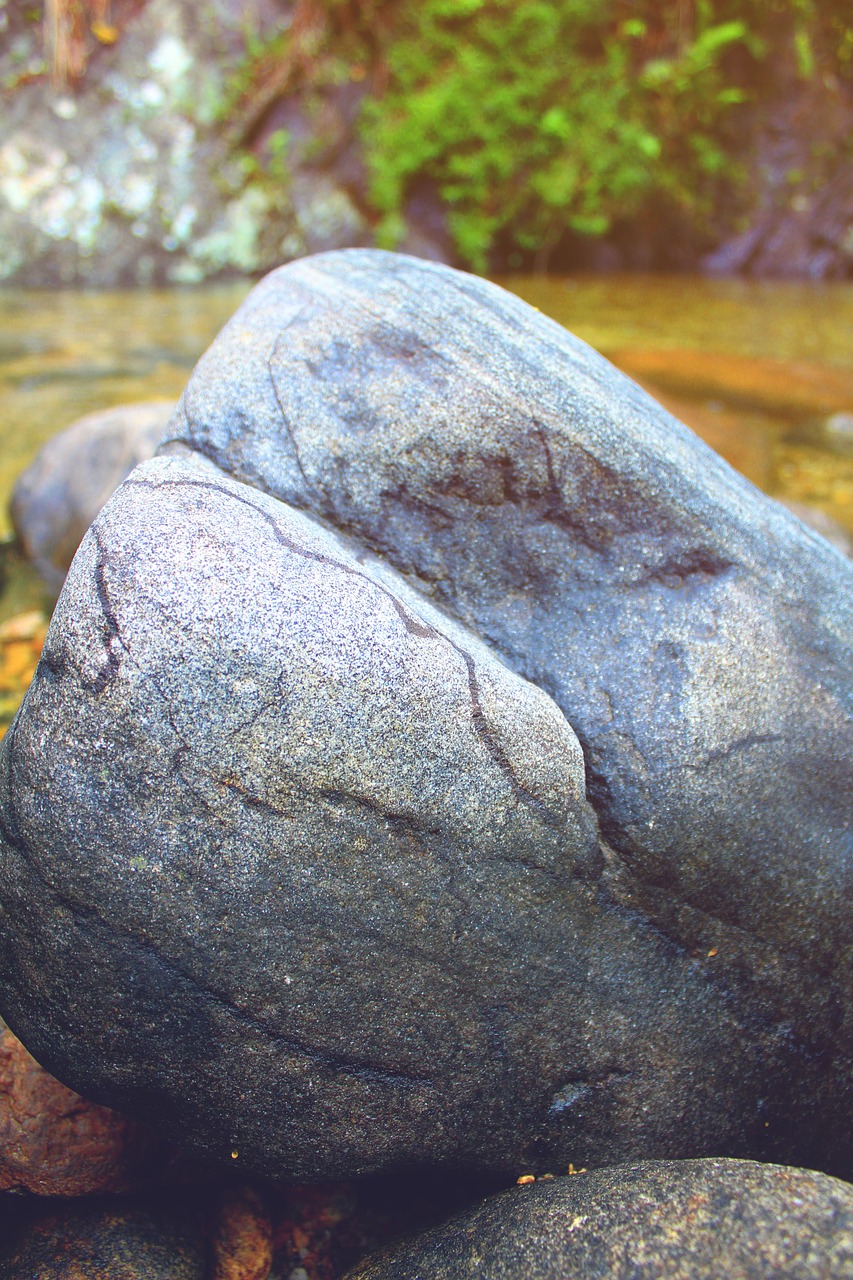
774,319
762,371
753,367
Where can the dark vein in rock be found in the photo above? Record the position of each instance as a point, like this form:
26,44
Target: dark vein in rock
413,624
284,418
112,633
735,748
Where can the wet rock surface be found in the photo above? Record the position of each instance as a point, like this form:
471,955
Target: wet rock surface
245,1231
102,1240
60,493
682,1220
128,176
576,893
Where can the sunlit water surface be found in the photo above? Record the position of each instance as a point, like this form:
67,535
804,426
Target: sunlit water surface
762,370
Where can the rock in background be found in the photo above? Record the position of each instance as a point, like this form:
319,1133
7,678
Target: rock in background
128,177
316,840
58,496
800,223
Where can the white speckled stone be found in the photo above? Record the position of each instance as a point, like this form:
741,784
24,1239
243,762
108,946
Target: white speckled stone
656,1220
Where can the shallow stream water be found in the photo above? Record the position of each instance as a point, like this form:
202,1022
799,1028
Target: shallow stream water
762,370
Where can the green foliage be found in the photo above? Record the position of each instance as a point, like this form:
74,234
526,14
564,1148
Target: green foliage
552,114
531,118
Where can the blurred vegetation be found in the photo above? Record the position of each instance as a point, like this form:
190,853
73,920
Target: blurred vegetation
534,118
530,121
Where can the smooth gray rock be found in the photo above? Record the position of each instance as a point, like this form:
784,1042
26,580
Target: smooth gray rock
347,893
698,639
658,1220
58,496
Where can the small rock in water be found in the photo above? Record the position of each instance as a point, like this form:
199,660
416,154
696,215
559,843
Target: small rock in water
838,427
522,841
666,1220
60,493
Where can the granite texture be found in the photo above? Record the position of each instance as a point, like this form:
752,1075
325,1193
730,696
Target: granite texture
354,888
102,1240
657,1220
697,638
347,854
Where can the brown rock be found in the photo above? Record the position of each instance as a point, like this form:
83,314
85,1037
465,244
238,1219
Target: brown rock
55,1143
775,386
242,1246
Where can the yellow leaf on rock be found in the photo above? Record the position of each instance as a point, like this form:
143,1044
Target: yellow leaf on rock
104,33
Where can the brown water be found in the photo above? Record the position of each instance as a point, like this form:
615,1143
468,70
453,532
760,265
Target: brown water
755,368
782,320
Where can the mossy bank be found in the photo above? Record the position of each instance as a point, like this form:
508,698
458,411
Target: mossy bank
185,142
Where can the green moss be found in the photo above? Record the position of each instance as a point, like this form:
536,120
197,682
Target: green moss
534,119
530,119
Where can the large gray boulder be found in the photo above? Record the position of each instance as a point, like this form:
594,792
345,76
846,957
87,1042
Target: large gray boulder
352,888
326,862
657,1220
